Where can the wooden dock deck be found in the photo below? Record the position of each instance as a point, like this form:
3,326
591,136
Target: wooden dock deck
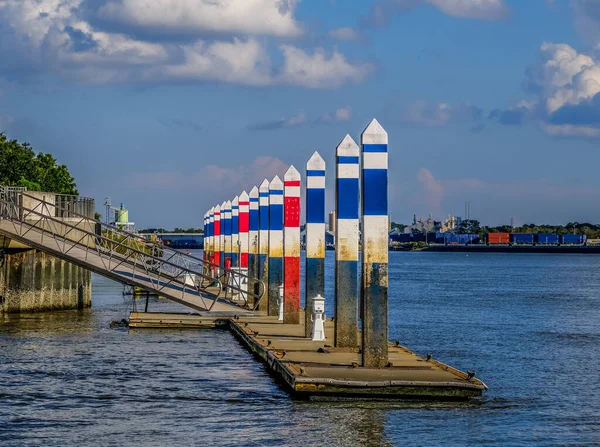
316,369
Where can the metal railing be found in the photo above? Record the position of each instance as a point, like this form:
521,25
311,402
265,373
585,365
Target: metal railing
170,272
68,206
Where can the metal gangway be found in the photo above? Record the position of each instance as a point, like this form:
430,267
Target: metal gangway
67,230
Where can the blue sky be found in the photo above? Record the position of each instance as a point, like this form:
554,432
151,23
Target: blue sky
173,106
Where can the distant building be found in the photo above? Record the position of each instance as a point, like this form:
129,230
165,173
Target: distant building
432,226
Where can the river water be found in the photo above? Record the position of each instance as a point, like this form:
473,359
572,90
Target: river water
528,324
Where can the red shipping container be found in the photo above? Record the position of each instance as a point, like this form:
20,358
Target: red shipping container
498,238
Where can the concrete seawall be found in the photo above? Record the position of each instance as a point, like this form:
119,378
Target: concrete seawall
33,281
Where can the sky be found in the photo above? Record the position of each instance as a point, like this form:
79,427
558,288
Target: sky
174,106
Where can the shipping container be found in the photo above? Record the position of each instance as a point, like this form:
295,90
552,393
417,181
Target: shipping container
593,242
572,239
547,239
402,238
498,238
460,239
522,238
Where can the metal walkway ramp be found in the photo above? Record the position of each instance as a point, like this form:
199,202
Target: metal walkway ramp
56,228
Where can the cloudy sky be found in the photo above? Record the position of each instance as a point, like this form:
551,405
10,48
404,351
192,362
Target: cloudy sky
172,106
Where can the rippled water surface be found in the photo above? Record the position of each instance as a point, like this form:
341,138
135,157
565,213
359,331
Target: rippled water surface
529,325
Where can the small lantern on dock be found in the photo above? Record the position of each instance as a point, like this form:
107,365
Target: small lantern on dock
318,318
280,302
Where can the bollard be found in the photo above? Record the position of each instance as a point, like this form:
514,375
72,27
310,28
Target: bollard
235,237
204,237
253,241
315,236
227,235
291,246
346,244
374,288
217,239
244,223
275,243
263,242
318,318
280,304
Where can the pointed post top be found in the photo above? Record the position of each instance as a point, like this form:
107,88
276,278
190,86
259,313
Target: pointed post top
276,183
264,186
254,192
223,205
374,134
212,210
244,196
228,205
347,148
218,209
291,175
315,163
235,201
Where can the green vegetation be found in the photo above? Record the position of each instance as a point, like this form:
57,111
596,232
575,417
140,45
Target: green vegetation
21,166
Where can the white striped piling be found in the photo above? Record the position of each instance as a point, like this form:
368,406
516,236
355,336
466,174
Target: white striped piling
211,239
315,236
227,234
222,236
346,244
374,141
244,224
291,246
205,237
253,239
263,240
235,237
217,241
275,243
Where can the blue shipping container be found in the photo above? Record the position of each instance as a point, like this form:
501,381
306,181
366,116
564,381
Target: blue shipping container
573,239
547,239
461,239
526,239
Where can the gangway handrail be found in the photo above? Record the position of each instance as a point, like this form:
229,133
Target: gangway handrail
130,250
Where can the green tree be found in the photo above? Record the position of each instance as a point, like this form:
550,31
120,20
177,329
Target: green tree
20,166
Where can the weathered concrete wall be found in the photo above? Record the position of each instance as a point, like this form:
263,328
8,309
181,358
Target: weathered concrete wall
33,281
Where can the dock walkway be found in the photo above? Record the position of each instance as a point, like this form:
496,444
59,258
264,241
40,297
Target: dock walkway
316,369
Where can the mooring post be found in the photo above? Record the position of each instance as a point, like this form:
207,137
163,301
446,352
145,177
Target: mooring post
211,239
227,234
147,299
204,237
275,243
263,242
253,240
244,224
235,228
315,236
374,141
346,244
217,238
291,246
222,236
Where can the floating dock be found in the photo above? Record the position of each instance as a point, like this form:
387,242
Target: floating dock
311,369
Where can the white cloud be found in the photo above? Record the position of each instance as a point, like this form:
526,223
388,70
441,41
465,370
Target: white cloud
569,130
60,38
340,115
345,34
258,17
429,115
318,70
472,9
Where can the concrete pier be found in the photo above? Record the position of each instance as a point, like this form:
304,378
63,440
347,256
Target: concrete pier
346,243
315,235
33,281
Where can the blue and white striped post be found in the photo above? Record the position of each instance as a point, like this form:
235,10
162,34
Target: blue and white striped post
315,236
253,240
235,237
211,239
263,241
275,243
346,244
218,240
227,234
374,141
205,237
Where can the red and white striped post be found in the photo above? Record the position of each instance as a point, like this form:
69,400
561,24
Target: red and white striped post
291,246
244,223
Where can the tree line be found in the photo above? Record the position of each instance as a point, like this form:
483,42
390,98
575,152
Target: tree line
21,166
